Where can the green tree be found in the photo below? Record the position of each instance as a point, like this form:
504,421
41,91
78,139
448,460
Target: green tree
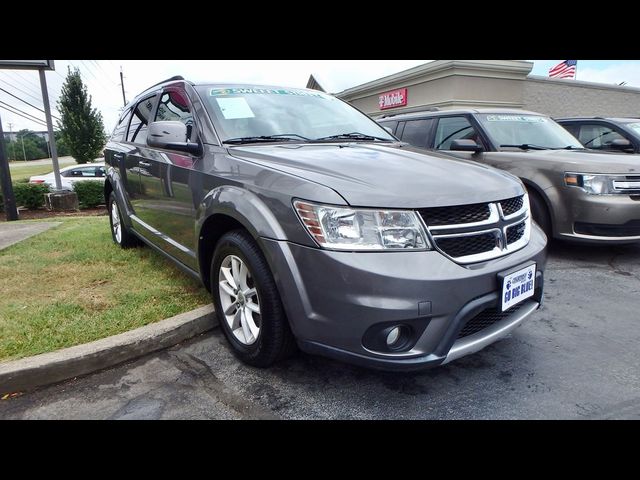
81,126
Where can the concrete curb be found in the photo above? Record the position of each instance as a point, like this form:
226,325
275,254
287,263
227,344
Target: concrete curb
47,368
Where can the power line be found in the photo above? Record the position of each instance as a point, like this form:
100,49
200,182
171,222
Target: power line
99,82
20,115
27,83
19,89
21,111
24,101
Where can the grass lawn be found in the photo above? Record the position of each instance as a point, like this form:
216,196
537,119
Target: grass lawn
24,170
72,285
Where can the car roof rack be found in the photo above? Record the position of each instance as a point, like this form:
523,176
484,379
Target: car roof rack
426,109
172,79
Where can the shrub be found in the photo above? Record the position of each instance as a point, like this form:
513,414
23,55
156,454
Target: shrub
30,195
90,193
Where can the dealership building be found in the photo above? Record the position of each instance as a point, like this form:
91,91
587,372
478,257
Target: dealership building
447,84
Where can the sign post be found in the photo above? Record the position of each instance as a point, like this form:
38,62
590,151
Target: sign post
52,139
9,199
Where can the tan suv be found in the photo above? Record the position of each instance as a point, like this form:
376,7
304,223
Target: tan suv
575,193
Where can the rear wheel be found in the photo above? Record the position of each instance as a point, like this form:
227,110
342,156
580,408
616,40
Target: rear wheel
247,302
119,231
540,213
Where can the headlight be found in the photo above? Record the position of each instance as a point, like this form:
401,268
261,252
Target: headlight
592,184
342,228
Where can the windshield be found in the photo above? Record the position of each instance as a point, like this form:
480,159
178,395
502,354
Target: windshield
287,114
535,130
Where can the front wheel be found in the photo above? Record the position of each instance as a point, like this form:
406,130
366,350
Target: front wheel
247,302
119,231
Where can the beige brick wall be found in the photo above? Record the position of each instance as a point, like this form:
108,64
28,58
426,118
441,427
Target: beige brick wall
568,98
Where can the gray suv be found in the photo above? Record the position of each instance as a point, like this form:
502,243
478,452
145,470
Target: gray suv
312,226
576,193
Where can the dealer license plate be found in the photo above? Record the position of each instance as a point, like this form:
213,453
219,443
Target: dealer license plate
518,286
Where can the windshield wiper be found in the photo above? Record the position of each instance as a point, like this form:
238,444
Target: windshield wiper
267,138
571,147
352,136
526,146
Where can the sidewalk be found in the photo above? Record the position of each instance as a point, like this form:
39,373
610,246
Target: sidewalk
11,233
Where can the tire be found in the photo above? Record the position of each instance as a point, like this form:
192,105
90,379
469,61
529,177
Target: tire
119,231
540,213
259,302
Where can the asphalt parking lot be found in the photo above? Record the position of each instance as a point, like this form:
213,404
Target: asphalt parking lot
577,357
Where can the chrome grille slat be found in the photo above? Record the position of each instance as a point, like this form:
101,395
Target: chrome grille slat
504,228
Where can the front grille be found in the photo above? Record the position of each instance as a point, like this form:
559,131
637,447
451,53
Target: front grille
479,231
467,245
512,205
437,216
515,233
486,318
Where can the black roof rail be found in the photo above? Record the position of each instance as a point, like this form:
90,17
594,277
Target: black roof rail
426,109
172,79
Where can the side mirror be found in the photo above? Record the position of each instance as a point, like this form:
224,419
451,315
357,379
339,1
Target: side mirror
621,144
172,136
389,129
465,145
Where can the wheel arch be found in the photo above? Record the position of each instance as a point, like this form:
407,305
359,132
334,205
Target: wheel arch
533,187
229,208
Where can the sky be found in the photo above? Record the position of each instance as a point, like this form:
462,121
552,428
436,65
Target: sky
102,78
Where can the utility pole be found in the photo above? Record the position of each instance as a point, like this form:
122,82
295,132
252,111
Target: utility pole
10,209
13,149
124,99
24,155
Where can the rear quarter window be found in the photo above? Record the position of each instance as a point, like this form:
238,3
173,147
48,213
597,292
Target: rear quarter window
121,127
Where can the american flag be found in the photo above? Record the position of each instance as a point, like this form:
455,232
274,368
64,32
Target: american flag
566,69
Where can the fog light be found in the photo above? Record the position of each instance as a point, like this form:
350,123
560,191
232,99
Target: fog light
393,336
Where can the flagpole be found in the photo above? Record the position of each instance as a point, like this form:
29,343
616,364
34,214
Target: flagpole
575,77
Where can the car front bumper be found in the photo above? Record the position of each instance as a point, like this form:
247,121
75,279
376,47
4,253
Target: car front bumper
598,218
334,300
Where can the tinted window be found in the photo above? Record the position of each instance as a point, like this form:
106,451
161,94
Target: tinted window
389,125
85,172
140,122
121,127
454,128
415,132
174,106
572,128
598,137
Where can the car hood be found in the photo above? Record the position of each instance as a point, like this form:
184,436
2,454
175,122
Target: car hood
581,161
389,176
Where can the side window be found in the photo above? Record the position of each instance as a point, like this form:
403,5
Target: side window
84,172
454,128
415,132
121,127
598,137
174,106
140,121
572,128
389,126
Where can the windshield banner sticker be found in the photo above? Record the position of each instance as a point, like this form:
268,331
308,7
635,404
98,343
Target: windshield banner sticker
235,107
516,118
215,92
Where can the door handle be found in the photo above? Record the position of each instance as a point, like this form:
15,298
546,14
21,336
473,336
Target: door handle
144,164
